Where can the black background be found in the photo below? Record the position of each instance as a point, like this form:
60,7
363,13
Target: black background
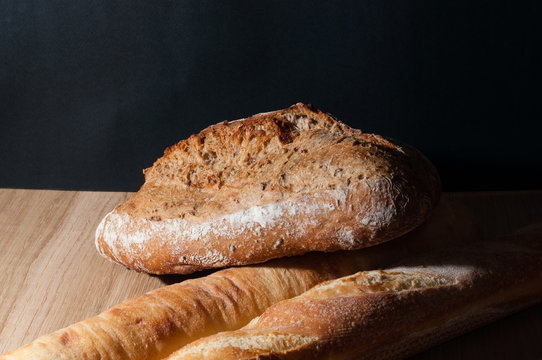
91,92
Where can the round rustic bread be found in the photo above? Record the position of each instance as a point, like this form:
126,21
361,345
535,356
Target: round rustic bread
275,184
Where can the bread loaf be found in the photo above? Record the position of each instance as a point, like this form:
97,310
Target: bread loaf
155,324
395,313
276,184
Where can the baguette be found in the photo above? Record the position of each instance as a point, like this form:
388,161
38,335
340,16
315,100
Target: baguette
395,313
276,184
153,325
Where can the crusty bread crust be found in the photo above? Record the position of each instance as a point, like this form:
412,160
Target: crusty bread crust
155,324
391,314
276,184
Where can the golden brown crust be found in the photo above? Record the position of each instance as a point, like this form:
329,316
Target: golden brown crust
153,325
277,184
391,314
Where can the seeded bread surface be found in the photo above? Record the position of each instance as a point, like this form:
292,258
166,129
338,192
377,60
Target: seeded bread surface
276,184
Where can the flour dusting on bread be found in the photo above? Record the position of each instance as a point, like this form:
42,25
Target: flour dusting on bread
276,184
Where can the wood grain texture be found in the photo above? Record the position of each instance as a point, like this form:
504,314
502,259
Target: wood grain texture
51,275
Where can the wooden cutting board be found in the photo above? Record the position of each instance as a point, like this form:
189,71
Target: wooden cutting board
51,275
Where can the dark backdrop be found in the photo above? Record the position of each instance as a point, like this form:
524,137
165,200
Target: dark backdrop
91,92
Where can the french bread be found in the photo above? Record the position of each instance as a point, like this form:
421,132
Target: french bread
273,185
153,325
394,313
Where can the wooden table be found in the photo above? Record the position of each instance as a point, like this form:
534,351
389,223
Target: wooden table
51,276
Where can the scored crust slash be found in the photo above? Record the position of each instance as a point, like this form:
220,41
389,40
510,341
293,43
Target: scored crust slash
394,313
276,184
